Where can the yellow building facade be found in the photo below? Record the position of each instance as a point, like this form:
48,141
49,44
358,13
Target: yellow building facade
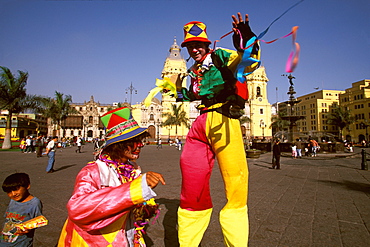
356,99
316,107
258,109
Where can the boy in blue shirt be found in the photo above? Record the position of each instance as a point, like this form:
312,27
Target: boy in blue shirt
22,207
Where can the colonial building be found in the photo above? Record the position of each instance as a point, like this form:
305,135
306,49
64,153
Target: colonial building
357,100
316,107
24,124
86,123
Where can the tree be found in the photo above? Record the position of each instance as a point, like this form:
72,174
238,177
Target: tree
58,108
279,124
244,119
340,117
14,99
176,117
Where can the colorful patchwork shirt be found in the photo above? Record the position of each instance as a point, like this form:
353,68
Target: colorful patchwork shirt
206,80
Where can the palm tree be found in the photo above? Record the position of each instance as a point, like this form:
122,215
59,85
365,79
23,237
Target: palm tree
177,117
58,108
340,117
14,99
278,123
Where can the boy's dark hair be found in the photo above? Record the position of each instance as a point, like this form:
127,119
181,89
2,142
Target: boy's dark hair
115,150
16,180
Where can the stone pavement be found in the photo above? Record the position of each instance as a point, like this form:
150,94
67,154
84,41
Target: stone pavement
314,201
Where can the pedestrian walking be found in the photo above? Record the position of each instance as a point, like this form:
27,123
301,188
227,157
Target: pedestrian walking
40,142
79,144
22,146
179,145
28,144
276,153
314,147
33,144
50,152
294,151
159,143
299,146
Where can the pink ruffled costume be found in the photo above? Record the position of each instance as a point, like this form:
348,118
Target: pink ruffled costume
99,209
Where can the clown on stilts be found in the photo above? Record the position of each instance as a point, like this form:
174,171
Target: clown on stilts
215,133
218,80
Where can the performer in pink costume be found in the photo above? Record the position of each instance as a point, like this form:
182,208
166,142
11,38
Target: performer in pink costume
215,133
112,201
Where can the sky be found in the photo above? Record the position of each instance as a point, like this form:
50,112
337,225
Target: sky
98,48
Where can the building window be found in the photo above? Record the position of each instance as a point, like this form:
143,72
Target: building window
261,111
258,91
151,117
90,119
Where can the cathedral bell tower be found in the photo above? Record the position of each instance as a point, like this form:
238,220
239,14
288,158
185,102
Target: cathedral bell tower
174,68
259,108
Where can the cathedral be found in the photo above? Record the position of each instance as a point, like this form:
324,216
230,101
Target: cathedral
255,124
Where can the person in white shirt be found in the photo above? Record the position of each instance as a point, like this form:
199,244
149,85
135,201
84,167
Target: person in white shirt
50,152
79,144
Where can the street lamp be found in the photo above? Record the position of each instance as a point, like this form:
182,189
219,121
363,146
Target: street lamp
263,126
85,123
158,125
364,125
37,126
169,132
131,89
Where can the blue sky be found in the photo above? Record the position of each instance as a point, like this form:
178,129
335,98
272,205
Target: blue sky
99,48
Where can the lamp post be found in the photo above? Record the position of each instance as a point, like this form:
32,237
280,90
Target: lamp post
263,126
364,125
158,125
38,126
169,132
85,123
131,89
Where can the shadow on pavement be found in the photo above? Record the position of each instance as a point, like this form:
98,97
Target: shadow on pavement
170,221
64,167
349,185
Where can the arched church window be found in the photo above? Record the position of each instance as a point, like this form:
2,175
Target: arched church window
91,119
151,117
258,91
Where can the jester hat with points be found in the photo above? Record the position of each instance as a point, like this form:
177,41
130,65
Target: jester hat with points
120,125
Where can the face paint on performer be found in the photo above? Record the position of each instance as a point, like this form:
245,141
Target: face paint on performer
132,152
197,50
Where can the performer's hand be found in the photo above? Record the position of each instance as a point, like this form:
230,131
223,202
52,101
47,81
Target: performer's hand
237,22
242,32
153,178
